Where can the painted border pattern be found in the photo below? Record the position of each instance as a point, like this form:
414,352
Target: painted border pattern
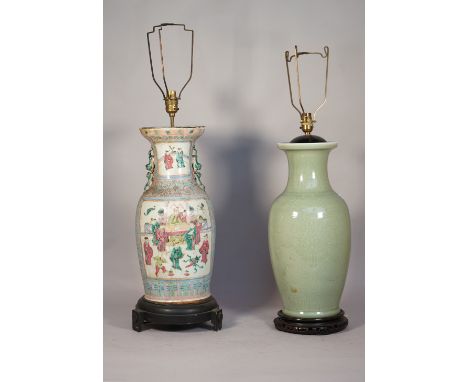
178,289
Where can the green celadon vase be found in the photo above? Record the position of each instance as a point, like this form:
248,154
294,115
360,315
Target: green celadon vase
309,235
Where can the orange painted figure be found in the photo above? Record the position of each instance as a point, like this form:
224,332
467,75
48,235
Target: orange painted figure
161,236
168,160
204,249
198,228
148,251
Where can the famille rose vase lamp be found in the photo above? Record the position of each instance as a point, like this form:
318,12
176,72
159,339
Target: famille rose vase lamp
309,229
175,226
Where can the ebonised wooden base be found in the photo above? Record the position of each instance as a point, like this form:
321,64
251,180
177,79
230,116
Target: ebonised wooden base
308,139
311,326
147,315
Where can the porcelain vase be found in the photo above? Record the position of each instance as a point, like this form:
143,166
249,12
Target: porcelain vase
175,226
309,236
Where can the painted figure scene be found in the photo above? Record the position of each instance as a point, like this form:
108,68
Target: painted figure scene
173,159
176,242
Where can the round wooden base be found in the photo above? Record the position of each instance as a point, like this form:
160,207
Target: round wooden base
311,326
148,315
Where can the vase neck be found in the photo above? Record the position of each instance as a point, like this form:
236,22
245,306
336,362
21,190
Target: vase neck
308,170
173,160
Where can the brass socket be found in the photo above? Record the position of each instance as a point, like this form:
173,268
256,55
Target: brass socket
172,105
307,123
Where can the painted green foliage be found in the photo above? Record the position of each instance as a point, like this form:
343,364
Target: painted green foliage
193,262
154,226
149,210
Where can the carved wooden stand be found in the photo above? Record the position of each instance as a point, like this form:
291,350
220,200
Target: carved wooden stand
311,326
147,315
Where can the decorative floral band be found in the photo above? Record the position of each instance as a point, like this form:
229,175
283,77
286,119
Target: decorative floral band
178,289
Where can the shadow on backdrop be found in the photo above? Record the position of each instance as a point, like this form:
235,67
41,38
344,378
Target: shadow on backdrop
242,277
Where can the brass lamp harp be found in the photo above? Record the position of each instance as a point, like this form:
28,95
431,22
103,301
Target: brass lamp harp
307,119
170,96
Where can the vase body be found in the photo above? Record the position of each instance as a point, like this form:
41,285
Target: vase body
175,227
309,235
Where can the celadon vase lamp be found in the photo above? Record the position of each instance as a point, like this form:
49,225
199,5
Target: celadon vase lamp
175,226
309,229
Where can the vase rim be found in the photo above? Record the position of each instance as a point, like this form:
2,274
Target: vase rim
171,128
161,134
307,146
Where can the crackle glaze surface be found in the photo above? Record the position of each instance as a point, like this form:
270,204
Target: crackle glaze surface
175,226
309,235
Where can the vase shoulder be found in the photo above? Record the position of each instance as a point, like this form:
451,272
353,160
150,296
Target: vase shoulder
309,200
298,212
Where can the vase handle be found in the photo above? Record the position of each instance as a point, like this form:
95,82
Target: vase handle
196,165
150,169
